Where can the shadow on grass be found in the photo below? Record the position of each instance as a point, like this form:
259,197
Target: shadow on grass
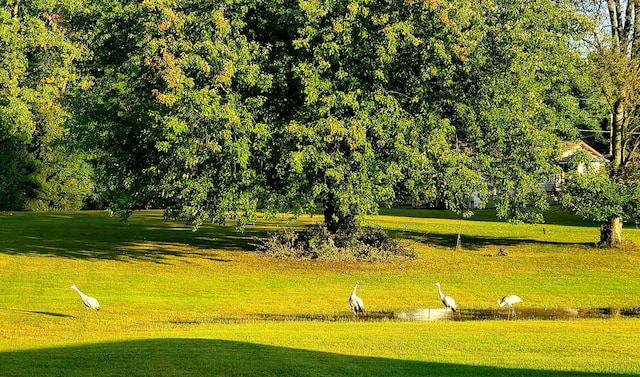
50,314
95,235
203,357
554,216
475,242
149,237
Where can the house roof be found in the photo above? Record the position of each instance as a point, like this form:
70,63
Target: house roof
568,149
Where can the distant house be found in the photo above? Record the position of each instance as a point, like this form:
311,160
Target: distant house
554,184
474,200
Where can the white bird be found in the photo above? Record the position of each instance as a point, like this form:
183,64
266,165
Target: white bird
448,301
88,301
355,302
509,300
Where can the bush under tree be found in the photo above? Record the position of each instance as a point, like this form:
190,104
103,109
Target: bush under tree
366,243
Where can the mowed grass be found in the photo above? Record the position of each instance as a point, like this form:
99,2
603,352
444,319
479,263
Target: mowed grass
182,303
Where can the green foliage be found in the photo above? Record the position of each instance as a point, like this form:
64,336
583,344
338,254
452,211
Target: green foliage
173,96
68,181
369,244
342,138
36,68
517,100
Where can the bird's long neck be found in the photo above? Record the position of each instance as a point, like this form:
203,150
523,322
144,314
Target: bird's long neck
440,292
82,295
501,303
354,290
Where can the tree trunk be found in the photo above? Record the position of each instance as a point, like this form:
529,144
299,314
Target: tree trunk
329,210
611,232
333,220
459,239
16,7
617,129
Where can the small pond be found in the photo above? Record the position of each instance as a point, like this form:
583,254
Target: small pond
521,313
436,314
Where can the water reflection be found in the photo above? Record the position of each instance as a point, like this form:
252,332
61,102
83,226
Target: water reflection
521,313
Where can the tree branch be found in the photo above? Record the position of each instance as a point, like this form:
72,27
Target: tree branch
613,18
635,47
626,28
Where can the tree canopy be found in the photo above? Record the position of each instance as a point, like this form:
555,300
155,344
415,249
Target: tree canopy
172,107
215,110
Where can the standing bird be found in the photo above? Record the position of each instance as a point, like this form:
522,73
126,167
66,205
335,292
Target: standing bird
509,300
448,301
355,302
89,302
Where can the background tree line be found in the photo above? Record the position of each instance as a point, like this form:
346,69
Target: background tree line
215,110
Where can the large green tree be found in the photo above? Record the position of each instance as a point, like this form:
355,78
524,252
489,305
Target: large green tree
218,109
37,169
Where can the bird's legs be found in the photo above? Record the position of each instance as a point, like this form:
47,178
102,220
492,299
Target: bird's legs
86,314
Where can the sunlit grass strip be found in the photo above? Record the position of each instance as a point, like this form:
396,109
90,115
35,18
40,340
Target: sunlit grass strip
490,348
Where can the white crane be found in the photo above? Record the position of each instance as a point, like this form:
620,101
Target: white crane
509,300
88,301
355,302
448,301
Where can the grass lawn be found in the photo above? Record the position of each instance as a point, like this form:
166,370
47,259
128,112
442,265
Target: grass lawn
182,303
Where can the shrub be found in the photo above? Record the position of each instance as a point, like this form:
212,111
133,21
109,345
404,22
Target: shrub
370,243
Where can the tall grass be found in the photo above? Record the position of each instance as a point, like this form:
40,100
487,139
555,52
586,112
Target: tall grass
177,302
